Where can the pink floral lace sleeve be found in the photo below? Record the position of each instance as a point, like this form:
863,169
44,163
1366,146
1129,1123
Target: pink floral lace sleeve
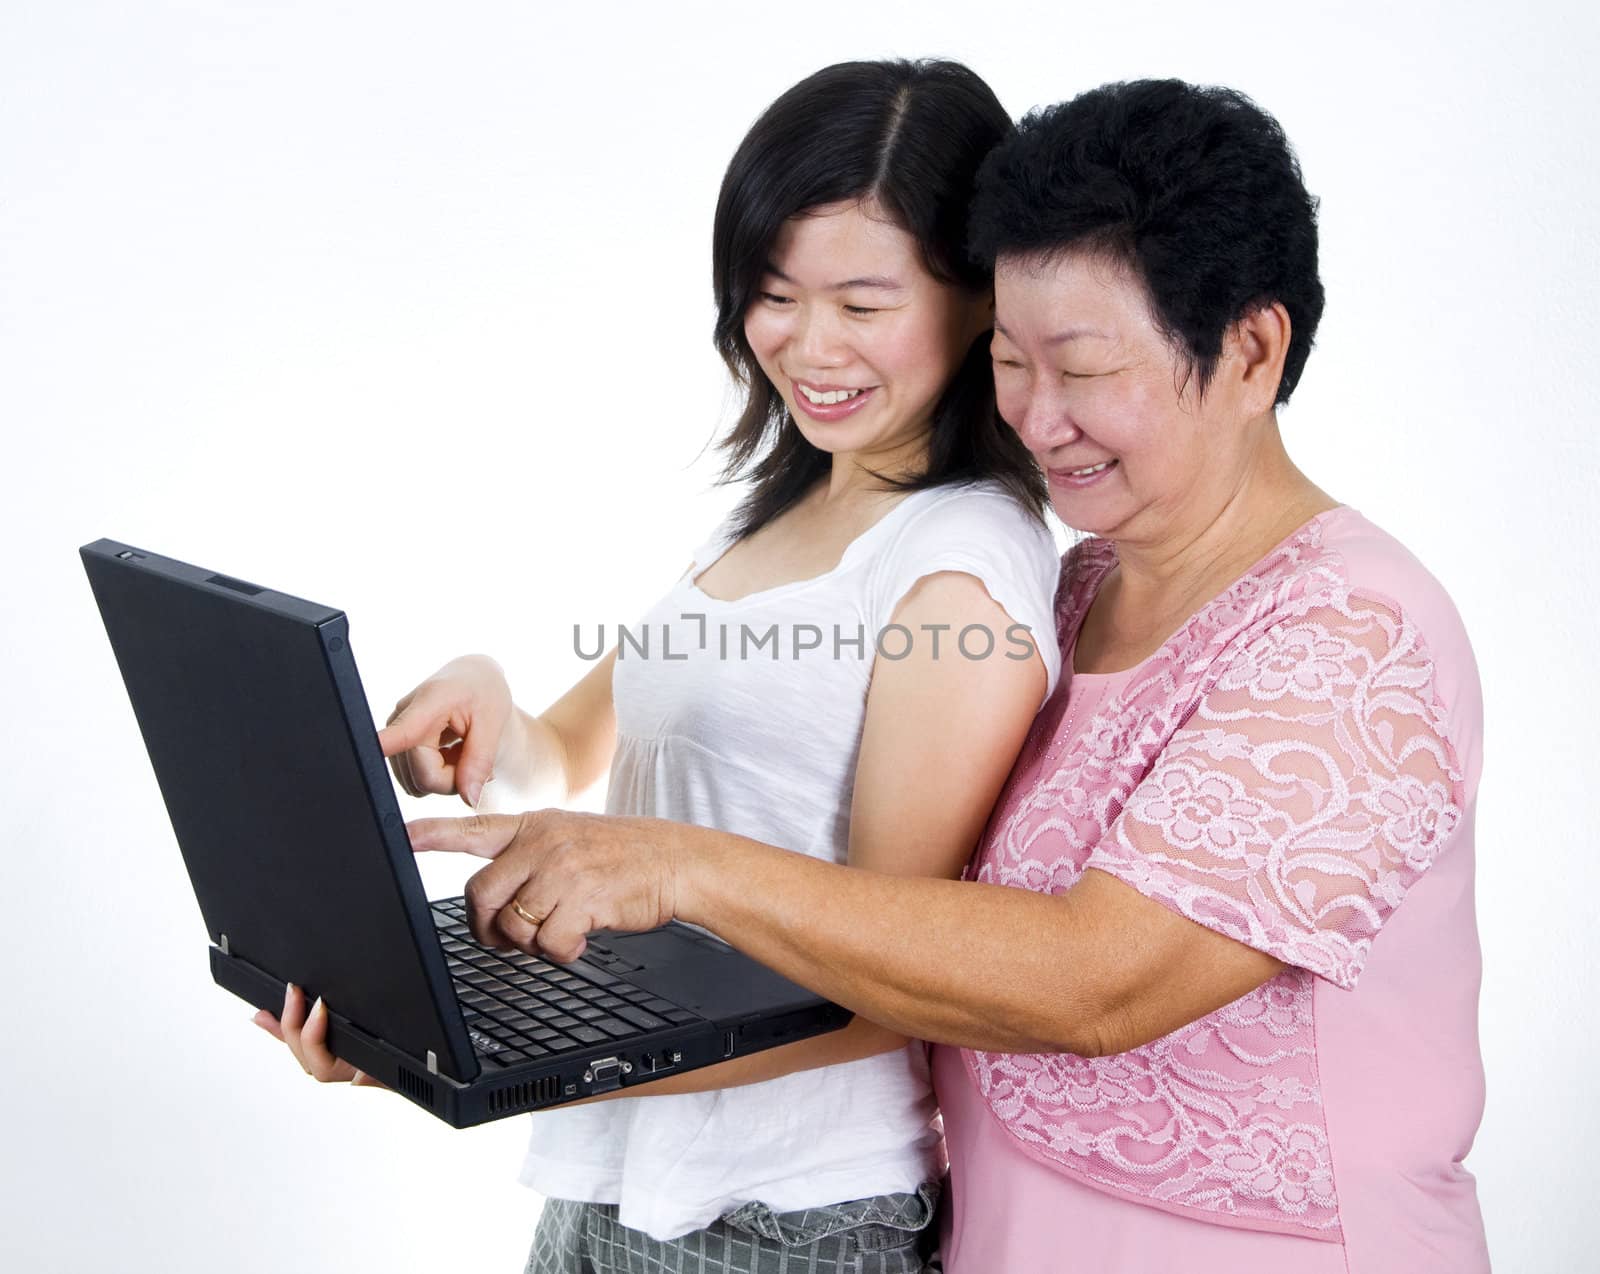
1310,788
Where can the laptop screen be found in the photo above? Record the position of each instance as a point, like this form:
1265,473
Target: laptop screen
262,741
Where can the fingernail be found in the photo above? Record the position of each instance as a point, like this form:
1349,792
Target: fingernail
474,795
358,1077
319,1007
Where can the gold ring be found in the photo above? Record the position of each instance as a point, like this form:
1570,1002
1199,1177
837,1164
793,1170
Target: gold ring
518,908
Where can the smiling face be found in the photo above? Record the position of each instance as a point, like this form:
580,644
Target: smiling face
1100,397
856,335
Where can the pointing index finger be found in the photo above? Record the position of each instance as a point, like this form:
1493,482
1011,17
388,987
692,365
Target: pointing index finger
482,834
405,732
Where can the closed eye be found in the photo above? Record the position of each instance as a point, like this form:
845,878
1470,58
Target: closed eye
772,298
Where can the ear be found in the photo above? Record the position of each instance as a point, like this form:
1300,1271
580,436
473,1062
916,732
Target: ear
1258,344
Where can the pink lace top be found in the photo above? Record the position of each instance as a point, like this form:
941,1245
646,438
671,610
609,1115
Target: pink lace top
1292,765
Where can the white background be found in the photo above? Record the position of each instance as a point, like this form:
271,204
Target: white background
406,309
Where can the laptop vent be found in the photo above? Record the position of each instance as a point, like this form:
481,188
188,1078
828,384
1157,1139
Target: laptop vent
523,1096
237,585
415,1087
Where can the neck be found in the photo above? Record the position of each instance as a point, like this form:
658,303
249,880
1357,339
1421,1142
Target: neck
852,475
1215,536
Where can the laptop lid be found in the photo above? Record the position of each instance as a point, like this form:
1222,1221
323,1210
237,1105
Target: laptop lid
263,744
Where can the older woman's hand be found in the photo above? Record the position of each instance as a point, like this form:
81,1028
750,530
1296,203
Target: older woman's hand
557,876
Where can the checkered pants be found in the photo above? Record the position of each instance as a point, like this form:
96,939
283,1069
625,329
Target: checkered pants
889,1234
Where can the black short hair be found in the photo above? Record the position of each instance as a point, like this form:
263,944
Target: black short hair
1193,188
910,135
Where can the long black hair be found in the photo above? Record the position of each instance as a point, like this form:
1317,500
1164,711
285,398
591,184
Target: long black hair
910,136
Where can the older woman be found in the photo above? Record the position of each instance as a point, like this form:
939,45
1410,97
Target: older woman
1206,998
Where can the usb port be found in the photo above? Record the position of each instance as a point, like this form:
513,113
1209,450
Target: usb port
727,1043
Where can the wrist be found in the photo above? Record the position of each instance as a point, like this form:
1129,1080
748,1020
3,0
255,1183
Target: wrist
696,873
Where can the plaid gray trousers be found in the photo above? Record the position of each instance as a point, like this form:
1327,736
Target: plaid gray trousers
888,1234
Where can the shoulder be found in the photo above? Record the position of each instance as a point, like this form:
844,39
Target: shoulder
1348,578
977,529
982,510
718,542
1383,571
1374,563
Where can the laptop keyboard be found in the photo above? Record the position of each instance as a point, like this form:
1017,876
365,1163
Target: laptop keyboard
520,1008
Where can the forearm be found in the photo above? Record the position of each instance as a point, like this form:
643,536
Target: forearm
563,751
573,740
538,769
859,1039
953,962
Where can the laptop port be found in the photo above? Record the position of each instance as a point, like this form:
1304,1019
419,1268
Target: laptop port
605,1074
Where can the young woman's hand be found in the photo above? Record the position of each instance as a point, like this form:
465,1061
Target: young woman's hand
306,1034
453,732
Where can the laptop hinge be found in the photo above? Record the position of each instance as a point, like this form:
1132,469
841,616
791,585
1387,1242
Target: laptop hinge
433,1062
224,945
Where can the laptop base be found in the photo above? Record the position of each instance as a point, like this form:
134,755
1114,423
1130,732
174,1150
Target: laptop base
536,1085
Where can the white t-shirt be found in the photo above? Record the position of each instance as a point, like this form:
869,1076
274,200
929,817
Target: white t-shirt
746,716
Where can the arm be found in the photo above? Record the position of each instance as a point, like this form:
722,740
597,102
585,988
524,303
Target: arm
941,733
1098,969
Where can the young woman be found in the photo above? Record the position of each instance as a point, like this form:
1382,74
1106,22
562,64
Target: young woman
891,538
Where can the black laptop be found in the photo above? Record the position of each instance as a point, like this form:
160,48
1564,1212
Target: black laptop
261,739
